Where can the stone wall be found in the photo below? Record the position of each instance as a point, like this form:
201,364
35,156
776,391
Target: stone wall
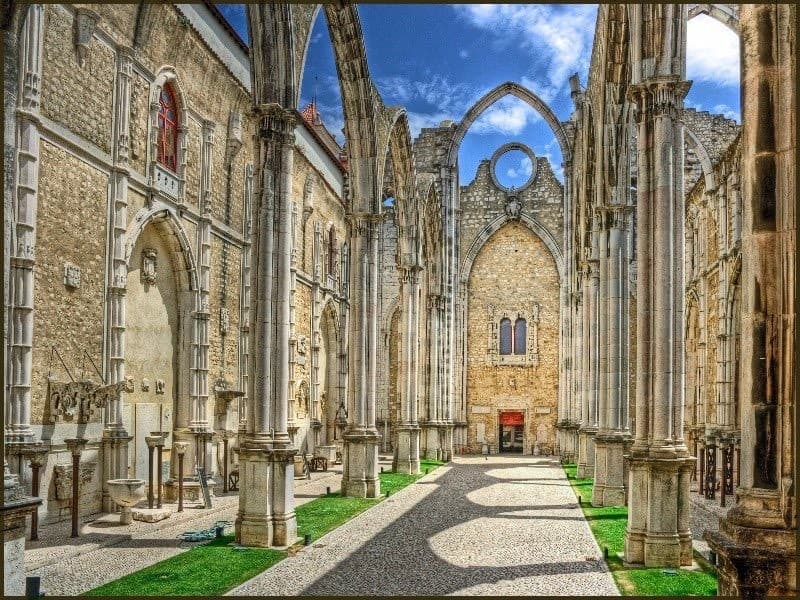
513,270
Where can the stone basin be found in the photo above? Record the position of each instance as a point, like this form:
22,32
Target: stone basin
126,493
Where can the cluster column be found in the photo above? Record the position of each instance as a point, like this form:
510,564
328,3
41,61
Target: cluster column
23,243
115,437
435,432
266,498
658,519
591,359
609,484
361,439
406,458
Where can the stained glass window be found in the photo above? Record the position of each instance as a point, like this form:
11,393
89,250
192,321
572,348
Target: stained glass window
168,129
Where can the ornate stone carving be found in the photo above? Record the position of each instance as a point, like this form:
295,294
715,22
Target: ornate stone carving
160,384
513,207
81,401
84,26
302,400
148,269
234,142
62,478
72,275
224,320
145,385
302,344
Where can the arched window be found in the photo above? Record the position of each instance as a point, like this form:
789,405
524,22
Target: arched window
332,251
505,336
520,335
168,129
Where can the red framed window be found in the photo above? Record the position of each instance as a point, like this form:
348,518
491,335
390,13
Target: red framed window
168,129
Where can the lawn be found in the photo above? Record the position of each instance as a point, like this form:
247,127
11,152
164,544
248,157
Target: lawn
608,526
214,568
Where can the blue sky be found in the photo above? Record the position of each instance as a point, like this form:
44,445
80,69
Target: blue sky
436,60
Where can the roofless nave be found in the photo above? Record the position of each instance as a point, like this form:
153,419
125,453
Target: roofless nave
194,263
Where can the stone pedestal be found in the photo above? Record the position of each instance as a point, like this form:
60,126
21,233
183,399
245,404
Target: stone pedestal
266,496
406,454
658,533
299,467
115,462
431,434
16,506
756,549
360,465
327,452
586,452
609,482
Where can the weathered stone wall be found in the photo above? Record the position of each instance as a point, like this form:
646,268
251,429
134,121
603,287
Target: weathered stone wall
513,270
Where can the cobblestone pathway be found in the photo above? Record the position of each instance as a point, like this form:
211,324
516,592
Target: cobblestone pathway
107,551
502,526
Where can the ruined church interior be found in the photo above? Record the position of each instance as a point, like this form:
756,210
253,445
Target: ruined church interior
227,303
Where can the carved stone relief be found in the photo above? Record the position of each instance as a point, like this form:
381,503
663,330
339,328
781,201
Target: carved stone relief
148,270
84,26
82,401
72,275
62,476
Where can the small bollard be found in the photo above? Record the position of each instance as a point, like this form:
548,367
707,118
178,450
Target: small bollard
220,530
307,539
32,587
605,552
426,471
328,491
580,500
381,469
387,493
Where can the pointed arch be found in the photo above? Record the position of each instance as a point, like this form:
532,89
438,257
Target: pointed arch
702,155
509,88
727,14
490,229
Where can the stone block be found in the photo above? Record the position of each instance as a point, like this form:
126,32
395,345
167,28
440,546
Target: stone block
150,515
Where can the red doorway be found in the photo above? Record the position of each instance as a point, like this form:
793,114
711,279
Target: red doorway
512,428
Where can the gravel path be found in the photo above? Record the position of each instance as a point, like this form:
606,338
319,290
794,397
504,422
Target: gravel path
107,551
502,526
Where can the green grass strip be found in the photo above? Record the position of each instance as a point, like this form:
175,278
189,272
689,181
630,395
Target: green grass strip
216,567
608,526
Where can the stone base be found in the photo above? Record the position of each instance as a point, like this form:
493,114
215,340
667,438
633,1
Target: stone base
13,512
585,453
360,465
266,495
609,483
150,515
192,491
658,515
406,454
327,452
299,468
755,561
432,434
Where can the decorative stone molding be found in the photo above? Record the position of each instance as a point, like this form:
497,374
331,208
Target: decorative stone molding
148,271
62,478
84,25
72,276
234,142
81,401
224,320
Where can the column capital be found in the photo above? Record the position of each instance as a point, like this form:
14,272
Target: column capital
659,95
275,122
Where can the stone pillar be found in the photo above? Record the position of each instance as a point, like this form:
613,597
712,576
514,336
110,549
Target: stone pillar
591,358
756,544
115,437
23,247
657,533
361,439
585,397
434,430
609,483
406,459
266,498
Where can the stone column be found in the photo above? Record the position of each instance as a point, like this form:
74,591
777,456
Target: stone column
435,431
406,458
609,483
361,439
453,327
756,544
657,532
585,464
115,437
266,498
23,247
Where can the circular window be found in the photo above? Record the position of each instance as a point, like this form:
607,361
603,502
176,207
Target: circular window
513,166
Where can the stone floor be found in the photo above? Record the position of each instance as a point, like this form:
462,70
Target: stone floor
482,525
107,550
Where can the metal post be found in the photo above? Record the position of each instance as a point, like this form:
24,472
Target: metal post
225,462
76,446
158,476
180,448
150,476
35,493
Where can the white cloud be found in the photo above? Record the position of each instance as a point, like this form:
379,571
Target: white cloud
508,116
726,111
463,53
712,52
558,38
